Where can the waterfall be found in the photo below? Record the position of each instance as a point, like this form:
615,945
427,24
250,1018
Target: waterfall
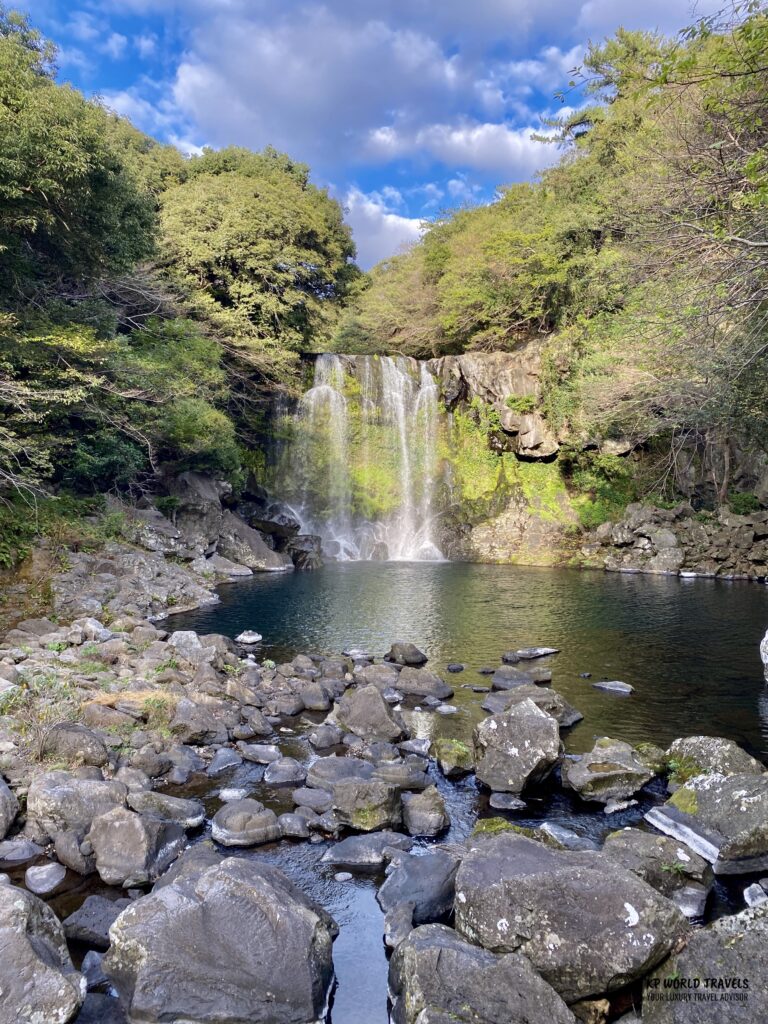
363,463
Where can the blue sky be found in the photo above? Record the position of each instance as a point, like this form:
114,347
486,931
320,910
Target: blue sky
402,108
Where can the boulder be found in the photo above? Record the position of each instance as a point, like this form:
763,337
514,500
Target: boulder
668,865
198,514
91,922
244,823
725,958
316,799
60,802
365,713
424,814
613,770
366,804
454,756
723,818
542,696
614,686
427,881
437,976
9,808
587,925
198,724
508,677
325,772
229,942
419,682
38,982
365,853
285,771
44,879
187,813
406,654
708,755
69,741
381,676
519,747
131,849
325,736
244,545
306,551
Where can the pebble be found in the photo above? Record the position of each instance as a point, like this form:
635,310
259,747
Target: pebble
455,666
44,878
447,709
343,876
231,793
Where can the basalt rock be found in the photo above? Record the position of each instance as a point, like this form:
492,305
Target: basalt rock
132,849
245,823
516,748
424,814
613,770
60,802
708,755
365,713
548,700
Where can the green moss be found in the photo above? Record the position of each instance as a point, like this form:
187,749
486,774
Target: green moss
544,489
454,752
366,819
681,769
653,757
493,827
524,405
685,800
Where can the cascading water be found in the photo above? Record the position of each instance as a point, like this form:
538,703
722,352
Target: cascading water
362,466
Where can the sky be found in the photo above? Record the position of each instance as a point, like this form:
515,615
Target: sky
402,108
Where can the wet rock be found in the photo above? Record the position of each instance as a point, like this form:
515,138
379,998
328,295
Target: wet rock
223,760
293,826
398,924
316,799
366,853
732,947
419,747
91,922
187,813
380,676
614,686
506,802
455,757
244,823
38,981
60,802
510,657
419,682
516,748
68,741
315,697
44,879
284,772
756,893
507,677
722,818
249,638
205,946
455,667
530,653
612,770
514,894
366,805
426,881
403,775
424,814
708,755
566,838
406,654
101,1009
436,975
9,808
306,551
543,697
260,753
17,851
366,713
131,849
325,772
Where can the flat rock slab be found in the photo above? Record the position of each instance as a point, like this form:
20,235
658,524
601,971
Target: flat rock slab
530,653
723,818
542,696
615,686
612,770
366,853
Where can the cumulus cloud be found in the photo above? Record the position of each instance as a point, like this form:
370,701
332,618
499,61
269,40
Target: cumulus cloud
378,231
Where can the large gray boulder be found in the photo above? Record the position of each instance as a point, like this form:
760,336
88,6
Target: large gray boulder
406,654
71,742
366,805
60,802
199,512
245,823
436,976
671,867
325,772
515,748
723,818
244,545
9,808
586,925
223,943
91,922
187,813
427,881
709,755
725,959
365,713
420,682
424,813
542,696
132,849
38,983
612,770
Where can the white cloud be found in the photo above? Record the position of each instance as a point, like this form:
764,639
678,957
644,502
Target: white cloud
146,45
378,231
114,46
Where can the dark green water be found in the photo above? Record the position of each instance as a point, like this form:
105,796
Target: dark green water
689,647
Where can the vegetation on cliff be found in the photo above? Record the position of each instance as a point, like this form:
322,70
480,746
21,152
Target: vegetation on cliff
639,262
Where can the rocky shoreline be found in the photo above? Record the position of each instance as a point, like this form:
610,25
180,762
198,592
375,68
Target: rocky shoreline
111,734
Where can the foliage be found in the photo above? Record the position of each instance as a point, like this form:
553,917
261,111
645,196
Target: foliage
743,503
